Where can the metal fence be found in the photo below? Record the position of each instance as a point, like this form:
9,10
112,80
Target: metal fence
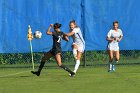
89,58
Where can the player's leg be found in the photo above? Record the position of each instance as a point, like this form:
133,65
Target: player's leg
110,53
77,64
74,46
58,60
117,56
46,56
80,51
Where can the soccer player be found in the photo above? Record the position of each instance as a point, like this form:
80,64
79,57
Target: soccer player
114,36
78,43
56,50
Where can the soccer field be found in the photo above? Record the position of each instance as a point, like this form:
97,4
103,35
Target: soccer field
126,79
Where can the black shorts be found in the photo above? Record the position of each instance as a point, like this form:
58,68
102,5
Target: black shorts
55,51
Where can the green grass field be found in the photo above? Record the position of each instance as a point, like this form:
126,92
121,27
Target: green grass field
126,79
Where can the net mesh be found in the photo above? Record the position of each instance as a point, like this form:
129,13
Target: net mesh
89,58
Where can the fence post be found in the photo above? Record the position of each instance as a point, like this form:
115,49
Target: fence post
83,26
85,58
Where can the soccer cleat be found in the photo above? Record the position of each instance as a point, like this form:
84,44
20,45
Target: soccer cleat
72,74
109,70
36,73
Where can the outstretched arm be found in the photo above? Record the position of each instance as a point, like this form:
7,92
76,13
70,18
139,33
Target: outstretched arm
49,30
66,38
70,33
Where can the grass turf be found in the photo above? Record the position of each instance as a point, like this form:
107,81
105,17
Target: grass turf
126,79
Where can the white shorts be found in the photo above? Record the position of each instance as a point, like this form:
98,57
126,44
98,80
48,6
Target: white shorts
113,48
81,47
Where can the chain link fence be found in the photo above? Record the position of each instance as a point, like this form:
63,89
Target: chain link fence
101,57
89,58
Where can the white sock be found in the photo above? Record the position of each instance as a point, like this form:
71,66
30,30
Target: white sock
75,53
110,66
76,66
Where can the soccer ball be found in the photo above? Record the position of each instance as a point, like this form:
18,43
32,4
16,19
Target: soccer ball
37,34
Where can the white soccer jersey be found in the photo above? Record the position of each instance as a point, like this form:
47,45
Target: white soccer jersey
78,39
114,44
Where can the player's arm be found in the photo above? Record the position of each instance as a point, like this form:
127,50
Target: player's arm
70,34
49,30
65,37
109,39
119,39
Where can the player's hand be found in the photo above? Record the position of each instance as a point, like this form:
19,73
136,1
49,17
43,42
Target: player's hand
66,34
118,39
51,25
115,38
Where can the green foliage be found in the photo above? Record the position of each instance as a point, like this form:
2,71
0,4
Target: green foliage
132,53
96,56
91,56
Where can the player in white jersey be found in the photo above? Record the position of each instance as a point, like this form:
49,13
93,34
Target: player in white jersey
114,36
78,43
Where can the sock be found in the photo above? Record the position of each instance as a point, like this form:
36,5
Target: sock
76,66
41,66
113,66
66,68
110,65
117,62
75,53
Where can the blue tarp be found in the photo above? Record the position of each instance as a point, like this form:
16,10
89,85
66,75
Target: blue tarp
99,15
95,18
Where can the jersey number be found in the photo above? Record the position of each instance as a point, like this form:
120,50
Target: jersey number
59,39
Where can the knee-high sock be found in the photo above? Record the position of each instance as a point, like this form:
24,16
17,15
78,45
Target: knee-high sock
41,66
76,66
113,66
110,65
75,53
66,68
